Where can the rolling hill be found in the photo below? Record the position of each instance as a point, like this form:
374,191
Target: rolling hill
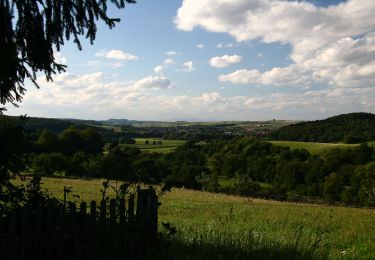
348,128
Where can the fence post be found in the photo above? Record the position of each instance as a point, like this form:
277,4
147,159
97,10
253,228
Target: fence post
1,237
131,209
103,211
112,211
13,235
83,232
92,234
121,210
147,214
72,229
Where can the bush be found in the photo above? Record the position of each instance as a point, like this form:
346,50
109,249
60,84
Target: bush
245,186
49,163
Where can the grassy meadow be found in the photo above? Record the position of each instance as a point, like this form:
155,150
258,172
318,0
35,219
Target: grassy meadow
312,147
217,226
165,147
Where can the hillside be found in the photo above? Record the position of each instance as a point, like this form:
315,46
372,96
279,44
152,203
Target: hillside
348,128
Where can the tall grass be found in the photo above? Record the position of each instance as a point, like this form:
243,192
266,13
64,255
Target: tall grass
228,238
218,226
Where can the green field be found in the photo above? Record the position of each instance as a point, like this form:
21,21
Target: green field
314,148
165,147
216,226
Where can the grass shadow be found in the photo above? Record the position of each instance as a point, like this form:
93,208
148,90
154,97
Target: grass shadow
174,248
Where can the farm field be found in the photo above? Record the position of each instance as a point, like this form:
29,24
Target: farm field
314,148
273,123
165,147
241,227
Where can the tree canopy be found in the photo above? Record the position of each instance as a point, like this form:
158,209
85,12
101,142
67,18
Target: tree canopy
348,128
30,31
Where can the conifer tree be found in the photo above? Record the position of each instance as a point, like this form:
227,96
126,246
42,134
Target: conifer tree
30,31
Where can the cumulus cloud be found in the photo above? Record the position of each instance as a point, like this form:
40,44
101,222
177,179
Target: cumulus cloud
151,82
159,69
320,37
169,61
117,55
241,77
92,90
97,96
188,66
225,61
291,75
60,58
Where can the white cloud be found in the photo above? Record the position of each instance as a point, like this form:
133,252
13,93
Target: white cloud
117,55
260,55
241,77
188,66
98,64
152,82
200,46
172,53
169,61
98,96
60,58
223,45
158,69
332,44
225,61
291,75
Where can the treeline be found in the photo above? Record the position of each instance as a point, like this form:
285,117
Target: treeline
34,126
348,128
82,153
249,166
342,175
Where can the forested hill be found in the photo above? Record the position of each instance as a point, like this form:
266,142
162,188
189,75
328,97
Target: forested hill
348,128
37,124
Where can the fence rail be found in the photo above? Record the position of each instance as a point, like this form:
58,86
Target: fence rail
99,231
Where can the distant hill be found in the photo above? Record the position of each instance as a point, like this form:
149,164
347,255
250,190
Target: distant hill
37,124
348,128
56,125
114,121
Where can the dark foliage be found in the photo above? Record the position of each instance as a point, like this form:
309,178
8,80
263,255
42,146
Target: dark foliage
348,128
341,175
12,147
31,30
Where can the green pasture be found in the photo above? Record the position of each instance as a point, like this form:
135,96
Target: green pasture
218,226
166,146
181,123
313,148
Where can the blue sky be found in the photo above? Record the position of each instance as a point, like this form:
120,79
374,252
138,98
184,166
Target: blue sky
218,60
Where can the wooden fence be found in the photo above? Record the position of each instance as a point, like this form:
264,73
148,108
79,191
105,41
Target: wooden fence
108,230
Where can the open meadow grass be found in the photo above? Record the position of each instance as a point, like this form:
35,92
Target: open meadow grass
166,146
312,147
218,226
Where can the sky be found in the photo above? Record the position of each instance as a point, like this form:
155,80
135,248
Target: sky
213,60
